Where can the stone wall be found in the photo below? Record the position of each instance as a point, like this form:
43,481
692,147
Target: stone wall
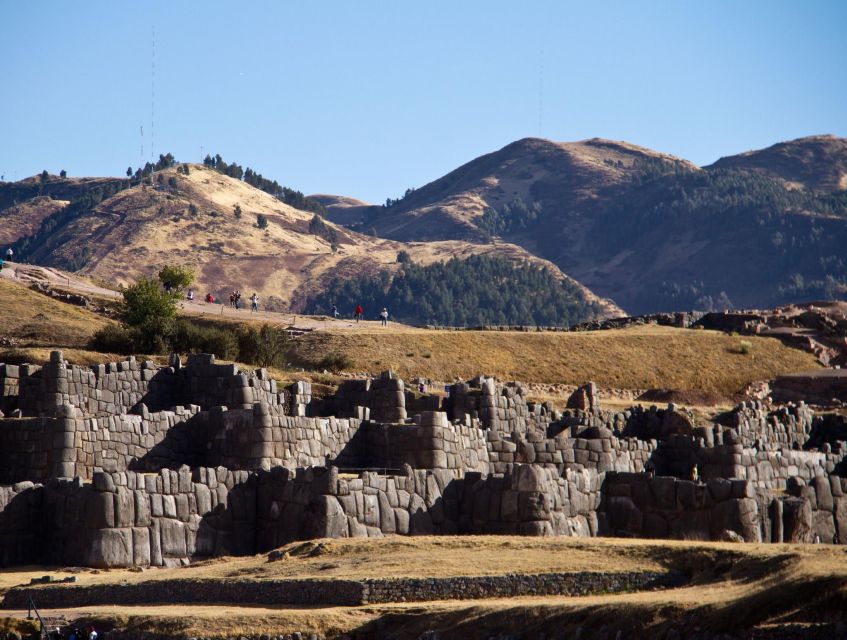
504,410
340,592
20,515
136,519
641,506
786,426
121,387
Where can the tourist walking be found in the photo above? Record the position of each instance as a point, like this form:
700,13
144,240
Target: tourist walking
190,295
254,302
334,311
9,254
383,316
359,312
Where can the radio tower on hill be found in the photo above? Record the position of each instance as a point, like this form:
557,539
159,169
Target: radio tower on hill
153,96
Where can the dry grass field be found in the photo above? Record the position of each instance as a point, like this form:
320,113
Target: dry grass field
637,358
731,586
37,320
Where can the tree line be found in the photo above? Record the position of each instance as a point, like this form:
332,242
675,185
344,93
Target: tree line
479,290
291,197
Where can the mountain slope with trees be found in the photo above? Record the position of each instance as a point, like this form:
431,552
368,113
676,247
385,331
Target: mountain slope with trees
234,235
651,231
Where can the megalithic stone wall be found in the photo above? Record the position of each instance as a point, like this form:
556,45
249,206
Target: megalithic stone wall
387,399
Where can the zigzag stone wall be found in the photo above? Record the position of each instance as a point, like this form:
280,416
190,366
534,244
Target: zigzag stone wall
136,464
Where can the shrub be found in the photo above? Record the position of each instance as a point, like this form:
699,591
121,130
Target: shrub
745,347
261,221
115,338
265,347
194,338
335,362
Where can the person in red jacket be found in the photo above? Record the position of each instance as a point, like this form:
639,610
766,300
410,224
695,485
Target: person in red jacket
210,298
359,312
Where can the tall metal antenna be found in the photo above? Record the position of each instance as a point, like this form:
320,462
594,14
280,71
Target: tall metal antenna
141,129
153,96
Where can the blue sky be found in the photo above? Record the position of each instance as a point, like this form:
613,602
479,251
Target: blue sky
368,98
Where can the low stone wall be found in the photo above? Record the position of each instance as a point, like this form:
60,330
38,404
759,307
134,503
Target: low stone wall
339,592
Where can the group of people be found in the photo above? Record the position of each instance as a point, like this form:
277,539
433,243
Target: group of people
234,299
359,314
76,633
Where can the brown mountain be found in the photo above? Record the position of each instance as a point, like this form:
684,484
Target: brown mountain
816,163
651,231
573,175
191,220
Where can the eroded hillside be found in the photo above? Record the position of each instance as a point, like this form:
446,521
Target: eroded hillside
235,237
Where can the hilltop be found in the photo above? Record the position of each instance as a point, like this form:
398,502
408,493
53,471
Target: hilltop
816,163
651,231
211,222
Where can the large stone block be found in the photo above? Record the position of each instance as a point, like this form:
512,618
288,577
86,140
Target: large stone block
141,547
326,518
173,538
797,522
109,548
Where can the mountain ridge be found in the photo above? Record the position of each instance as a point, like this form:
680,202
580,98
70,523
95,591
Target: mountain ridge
191,219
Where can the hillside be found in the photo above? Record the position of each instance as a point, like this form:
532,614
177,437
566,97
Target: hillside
344,210
570,174
25,204
651,231
637,358
192,219
816,163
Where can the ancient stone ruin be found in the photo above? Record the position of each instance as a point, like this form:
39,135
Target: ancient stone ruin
135,464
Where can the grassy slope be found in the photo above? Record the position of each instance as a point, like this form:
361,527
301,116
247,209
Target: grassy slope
37,320
140,229
733,586
637,358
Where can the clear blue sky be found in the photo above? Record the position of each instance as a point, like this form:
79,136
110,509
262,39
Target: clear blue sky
367,98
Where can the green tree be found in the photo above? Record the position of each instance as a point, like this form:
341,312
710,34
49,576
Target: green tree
174,277
261,221
63,174
237,211
45,176
129,172
150,313
403,257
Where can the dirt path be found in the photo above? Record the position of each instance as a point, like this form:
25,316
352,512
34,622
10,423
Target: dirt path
31,274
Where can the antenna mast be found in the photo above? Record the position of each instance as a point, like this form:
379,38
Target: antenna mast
153,96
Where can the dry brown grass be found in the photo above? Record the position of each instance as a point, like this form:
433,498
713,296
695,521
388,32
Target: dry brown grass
733,586
636,358
34,319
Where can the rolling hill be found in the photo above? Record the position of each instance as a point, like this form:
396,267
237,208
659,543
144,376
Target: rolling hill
210,221
651,231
